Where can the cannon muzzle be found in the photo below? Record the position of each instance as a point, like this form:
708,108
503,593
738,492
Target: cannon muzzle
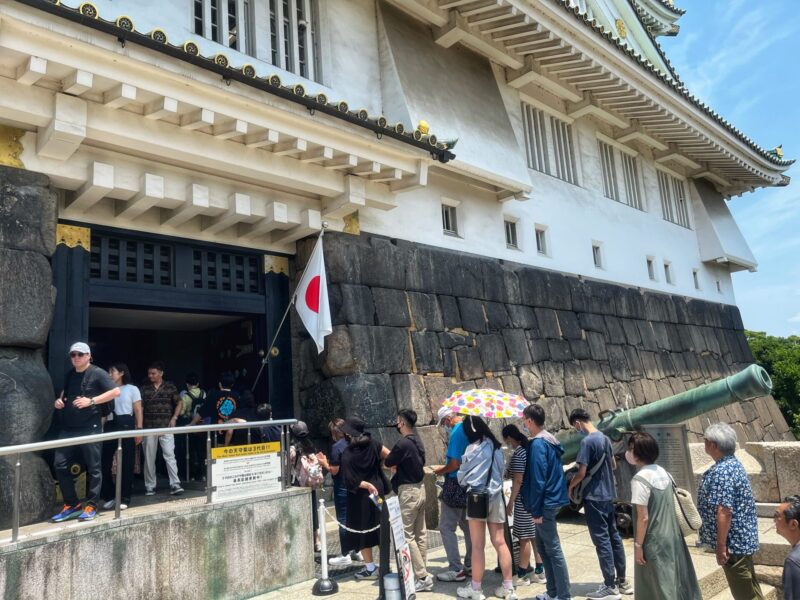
750,383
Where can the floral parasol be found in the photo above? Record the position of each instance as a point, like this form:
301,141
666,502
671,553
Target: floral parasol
487,403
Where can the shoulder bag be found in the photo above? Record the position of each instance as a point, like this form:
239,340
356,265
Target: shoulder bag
478,502
685,510
580,490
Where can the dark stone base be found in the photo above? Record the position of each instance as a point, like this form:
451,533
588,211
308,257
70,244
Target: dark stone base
37,490
414,323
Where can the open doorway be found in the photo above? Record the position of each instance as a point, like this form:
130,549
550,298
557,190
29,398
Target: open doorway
202,343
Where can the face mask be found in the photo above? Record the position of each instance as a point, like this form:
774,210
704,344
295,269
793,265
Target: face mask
630,458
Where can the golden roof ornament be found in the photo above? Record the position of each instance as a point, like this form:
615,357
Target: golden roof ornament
621,29
423,127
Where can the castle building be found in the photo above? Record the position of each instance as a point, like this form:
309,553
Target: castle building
519,194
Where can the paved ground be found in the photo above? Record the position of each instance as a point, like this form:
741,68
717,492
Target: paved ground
581,558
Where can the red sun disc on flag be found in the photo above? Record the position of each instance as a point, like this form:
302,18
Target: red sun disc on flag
312,294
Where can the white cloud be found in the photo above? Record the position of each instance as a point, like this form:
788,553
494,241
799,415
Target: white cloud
795,319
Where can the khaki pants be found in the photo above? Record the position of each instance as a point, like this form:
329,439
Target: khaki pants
412,508
741,576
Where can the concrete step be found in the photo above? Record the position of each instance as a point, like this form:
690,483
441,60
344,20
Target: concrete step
772,548
770,575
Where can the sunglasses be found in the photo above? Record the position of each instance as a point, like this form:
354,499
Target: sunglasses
78,354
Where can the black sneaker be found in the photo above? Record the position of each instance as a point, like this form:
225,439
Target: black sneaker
365,573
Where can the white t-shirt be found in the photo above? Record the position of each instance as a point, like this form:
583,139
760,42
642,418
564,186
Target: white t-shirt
128,394
655,476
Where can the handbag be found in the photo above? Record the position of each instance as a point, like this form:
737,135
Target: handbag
453,495
478,502
686,512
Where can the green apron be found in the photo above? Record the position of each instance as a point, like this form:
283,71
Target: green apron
669,572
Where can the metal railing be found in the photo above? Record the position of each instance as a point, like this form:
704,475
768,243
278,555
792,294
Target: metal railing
18,450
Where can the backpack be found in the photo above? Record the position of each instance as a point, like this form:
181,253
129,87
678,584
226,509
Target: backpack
189,400
308,472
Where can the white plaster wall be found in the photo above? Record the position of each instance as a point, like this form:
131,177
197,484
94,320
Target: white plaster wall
575,216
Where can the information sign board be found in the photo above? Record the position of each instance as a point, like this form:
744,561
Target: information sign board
673,453
242,471
402,551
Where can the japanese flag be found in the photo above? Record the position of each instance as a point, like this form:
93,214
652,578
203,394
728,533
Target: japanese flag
311,298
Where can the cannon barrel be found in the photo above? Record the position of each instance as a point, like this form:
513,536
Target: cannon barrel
751,382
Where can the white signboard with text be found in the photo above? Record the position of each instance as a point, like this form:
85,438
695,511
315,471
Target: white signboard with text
242,471
403,554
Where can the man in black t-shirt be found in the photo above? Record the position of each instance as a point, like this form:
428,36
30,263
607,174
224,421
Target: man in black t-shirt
407,460
85,388
219,404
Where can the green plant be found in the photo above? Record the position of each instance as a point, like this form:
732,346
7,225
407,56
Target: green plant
781,358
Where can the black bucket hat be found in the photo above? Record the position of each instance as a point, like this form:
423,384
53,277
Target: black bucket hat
354,427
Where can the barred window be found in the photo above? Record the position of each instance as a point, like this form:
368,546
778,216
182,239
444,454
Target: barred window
511,234
227,22
673,199
610,187
449,219
549,145
292,36
630,172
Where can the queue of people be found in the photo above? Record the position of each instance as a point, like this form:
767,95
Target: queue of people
94,401
472,499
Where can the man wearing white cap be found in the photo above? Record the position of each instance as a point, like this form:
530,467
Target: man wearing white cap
454,499
85,388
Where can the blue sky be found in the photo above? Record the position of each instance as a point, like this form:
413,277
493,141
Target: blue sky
741,57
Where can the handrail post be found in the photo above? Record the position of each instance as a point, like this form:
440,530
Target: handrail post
208,467
248,435
15,508
118,486
188,473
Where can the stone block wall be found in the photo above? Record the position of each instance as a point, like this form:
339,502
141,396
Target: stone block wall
27,240
413,323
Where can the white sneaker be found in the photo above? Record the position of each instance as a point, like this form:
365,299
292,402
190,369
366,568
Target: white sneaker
604,593
467,592
507,593
149,492
545,596
111,503
424,585
340,561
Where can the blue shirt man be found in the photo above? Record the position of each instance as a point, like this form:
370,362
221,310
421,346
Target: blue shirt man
596,475
454,501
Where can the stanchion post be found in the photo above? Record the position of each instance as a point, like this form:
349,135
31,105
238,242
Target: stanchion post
208,467
15,508
118,486
248,435
324,586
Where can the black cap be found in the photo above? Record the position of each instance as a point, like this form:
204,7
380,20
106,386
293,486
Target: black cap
299,430
354,427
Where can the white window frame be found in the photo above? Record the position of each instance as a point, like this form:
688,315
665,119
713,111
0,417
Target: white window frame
450,212
549,142
510,227
540,234
651,268
288,34
597,255
674,199
669,275
608,167
245,23
631,176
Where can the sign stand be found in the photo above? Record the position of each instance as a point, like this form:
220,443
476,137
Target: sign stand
402,552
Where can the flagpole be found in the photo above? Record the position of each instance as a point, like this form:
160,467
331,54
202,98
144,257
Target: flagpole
265,360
